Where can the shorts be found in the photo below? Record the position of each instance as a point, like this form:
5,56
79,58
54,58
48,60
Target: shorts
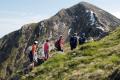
35,57
30,56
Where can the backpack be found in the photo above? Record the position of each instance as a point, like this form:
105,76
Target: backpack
75,40
57,44
28,49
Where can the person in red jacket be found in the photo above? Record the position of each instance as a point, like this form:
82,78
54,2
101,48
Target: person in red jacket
46,49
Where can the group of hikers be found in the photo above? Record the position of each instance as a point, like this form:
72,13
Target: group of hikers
33,55
58,44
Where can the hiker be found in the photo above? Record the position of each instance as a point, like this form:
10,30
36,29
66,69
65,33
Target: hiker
59,43
46,49
82,38
33,54
73,41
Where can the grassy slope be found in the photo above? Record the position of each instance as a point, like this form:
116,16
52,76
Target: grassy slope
91,61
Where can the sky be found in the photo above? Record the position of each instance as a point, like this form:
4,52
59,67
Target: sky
16,13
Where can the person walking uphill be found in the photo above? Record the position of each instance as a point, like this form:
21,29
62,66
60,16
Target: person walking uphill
46,49
73,41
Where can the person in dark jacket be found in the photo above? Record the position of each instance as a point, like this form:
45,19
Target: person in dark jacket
73,41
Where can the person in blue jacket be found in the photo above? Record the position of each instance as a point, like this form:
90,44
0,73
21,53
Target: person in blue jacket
73,41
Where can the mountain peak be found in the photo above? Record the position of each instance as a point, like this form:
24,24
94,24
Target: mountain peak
84,3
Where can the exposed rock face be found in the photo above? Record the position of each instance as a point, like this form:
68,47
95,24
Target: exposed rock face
83,17
12,50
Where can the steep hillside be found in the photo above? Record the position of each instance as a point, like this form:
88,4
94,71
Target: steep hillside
12,49
83,17
92,61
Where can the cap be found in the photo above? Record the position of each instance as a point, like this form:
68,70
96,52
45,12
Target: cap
36,42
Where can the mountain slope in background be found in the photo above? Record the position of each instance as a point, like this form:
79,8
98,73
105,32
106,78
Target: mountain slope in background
81,18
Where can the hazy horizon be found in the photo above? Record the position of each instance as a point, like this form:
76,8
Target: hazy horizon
14,14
